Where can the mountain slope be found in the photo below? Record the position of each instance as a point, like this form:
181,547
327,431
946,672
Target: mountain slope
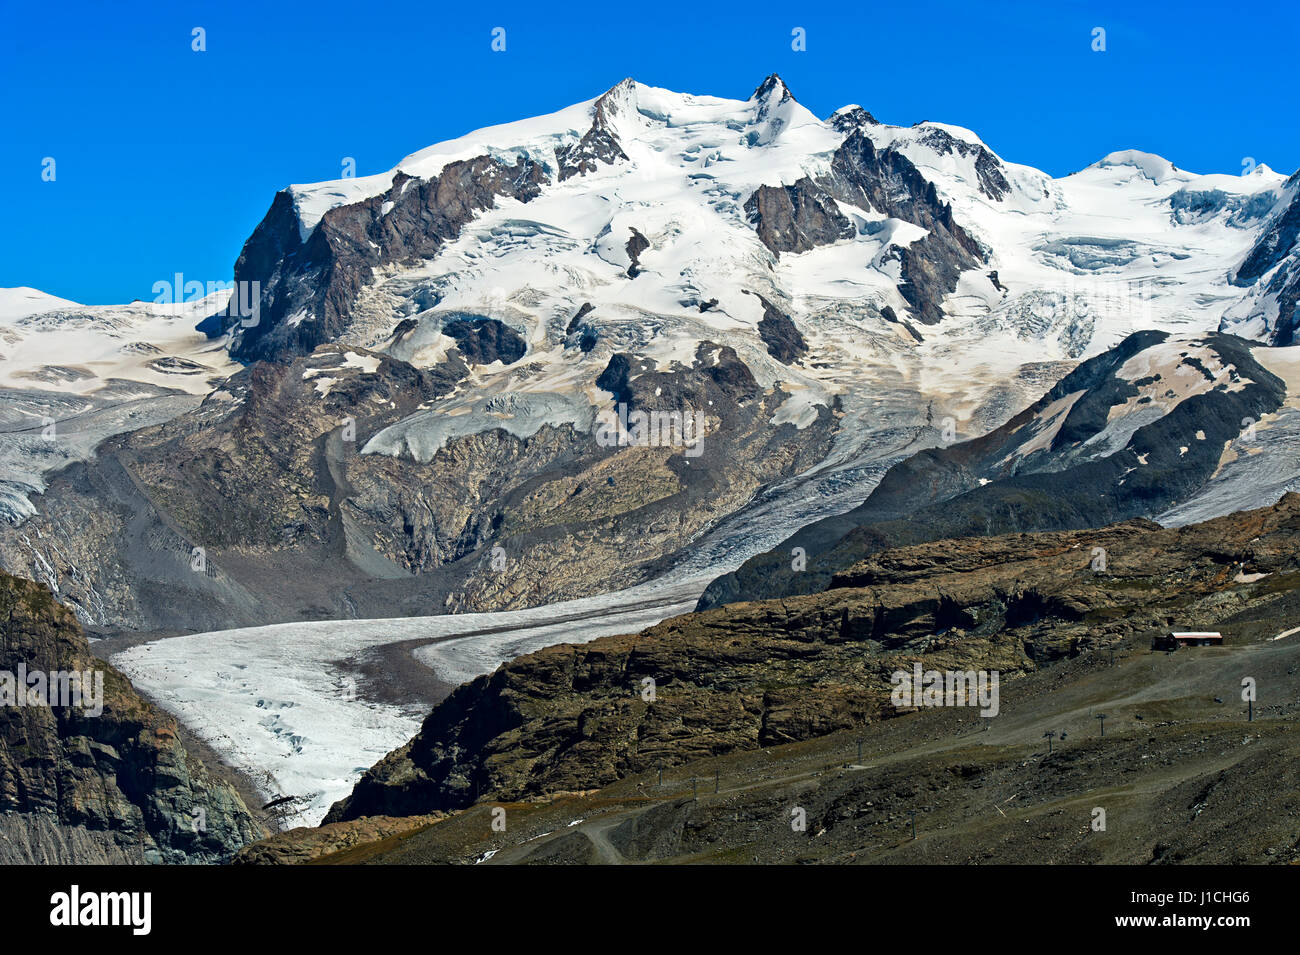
755,675
72,375
1132,432
105,779
1271,274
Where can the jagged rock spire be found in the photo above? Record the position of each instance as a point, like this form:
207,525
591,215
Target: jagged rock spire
773,86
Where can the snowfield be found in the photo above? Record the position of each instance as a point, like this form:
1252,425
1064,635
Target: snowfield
72,375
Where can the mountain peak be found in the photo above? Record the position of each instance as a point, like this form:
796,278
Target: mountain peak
851,117
771,87
1153,167
621,92
616,103
23,301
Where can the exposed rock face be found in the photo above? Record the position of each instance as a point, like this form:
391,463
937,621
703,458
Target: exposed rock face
581,333
1278,252
482,341
307,289
992,181
599,145
851,117
79,787
616,377
887,181
779,334
186,525
268,480
562,493
576,322
635,246
1067,461
771,92
796,218
1279,239
803,216
759,674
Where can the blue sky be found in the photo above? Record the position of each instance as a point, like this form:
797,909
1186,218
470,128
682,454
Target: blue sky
167,158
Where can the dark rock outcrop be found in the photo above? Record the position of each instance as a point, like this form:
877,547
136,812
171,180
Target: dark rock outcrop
308,288
784,341
581,333
599,145
852,117
992,179
635,246
583,311
614,378
79,786
482,341
887,181
796,218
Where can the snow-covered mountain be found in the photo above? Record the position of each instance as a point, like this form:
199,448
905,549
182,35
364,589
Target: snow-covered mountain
1271,275
648,205
72,375
407,424
825,252
832,295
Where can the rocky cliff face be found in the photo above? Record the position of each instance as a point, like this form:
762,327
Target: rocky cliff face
796,218
759,674
573,512
104,780
318,280
1271,270
885,179
222,514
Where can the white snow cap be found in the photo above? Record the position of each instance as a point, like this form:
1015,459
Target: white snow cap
628,108
1153,167
22,301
